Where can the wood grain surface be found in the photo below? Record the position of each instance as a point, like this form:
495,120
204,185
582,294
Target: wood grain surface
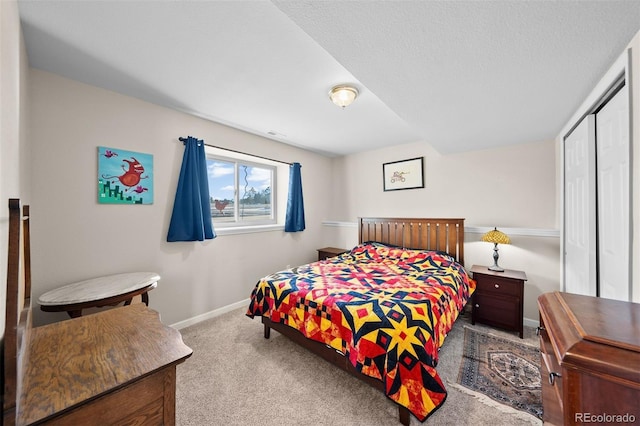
78,360
417,233
591,346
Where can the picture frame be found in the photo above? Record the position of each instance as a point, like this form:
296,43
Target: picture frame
403,174
124,177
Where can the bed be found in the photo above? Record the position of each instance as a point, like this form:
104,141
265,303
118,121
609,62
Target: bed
380,311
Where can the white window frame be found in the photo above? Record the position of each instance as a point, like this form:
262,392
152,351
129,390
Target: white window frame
280,183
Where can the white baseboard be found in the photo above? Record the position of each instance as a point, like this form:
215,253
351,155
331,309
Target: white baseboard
531,323
211,314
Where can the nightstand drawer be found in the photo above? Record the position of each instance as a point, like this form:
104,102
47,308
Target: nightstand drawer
498,285
497,311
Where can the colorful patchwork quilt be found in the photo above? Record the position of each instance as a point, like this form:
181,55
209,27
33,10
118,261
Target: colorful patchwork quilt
387,309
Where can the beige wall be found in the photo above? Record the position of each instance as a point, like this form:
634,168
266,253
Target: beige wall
510,187
14,146
75,238
486,187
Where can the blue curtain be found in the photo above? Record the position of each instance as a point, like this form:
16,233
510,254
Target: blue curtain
294,220
191,217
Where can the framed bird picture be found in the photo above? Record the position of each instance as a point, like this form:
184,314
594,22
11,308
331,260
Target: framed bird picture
124,177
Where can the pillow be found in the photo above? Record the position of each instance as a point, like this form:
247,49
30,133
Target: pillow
375,250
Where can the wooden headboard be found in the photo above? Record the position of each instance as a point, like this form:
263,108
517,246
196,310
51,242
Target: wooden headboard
417,233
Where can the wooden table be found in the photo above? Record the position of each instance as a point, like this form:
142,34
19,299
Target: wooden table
98,292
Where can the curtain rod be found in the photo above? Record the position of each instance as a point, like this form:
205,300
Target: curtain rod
238,152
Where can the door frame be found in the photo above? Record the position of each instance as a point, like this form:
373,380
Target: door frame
618,73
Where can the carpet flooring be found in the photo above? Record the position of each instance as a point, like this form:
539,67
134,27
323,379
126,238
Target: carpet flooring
237,377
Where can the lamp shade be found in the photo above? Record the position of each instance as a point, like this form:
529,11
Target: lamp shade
343,95
496,237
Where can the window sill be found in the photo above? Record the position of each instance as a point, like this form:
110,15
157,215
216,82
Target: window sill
231,230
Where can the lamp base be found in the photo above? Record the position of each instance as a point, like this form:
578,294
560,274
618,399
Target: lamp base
495,267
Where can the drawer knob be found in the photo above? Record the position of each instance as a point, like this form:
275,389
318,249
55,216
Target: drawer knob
477,305
496,285
552,377
539,330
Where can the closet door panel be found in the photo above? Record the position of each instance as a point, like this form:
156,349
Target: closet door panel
580,210
613,152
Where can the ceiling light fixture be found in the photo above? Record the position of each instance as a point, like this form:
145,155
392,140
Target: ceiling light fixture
343,95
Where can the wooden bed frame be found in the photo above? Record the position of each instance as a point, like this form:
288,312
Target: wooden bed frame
445,235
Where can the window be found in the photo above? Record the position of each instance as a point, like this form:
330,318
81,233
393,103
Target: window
243,190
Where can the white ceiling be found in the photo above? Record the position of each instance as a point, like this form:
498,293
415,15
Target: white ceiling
460,75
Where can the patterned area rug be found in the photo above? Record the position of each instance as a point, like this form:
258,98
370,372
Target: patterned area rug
504,370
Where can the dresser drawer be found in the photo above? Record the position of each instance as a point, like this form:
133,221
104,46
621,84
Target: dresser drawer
141,402
498,285
552,387
551,395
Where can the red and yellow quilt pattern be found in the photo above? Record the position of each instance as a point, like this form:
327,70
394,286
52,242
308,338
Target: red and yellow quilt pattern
387,309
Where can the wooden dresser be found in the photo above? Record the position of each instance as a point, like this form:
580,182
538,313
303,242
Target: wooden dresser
113,367
590,359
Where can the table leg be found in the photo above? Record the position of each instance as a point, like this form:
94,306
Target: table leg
145,298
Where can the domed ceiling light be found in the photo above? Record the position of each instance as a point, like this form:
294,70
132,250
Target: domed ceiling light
343,95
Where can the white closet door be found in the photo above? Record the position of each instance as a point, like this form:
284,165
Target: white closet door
580,209
612,130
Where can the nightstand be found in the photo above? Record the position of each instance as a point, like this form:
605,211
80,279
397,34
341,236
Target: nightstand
327,252
499,298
